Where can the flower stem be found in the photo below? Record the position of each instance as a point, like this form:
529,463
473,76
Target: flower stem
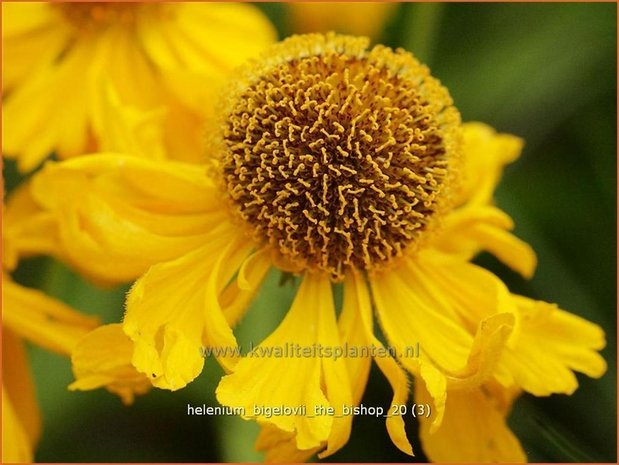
420,29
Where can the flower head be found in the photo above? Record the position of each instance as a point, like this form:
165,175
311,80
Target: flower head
340,164
337,156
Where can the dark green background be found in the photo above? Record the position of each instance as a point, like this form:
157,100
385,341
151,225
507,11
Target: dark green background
545,72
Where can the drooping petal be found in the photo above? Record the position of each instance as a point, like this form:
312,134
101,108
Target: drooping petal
274,375
118,215
552,345
18,386
103,359
471,292
353,333
41,319
473,430
411,310
217,329
357,297
237,296
168,325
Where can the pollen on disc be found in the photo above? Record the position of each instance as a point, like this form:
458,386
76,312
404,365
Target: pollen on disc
338,159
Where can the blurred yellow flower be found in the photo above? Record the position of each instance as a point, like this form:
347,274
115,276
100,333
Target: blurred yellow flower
342,165
355,18
29,315
61,62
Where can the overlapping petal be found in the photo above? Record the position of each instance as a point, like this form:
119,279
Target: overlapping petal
169,329
552,345
451,355
266,380
118,215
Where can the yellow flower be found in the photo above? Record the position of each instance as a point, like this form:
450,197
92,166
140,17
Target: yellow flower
29,315
61,62
342,165
357,18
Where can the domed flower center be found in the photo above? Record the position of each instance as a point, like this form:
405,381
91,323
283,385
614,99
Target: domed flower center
337,156
88,15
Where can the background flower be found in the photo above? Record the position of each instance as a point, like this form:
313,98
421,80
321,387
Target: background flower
545,72
65,64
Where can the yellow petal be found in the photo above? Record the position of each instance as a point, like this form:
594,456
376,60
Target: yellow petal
471,229
236,297
16,447
354,334
471,292
118,215
24,18
408,317
412,311
486,153
33,36
125,128
553,343
56,103
280,446
274,375
473,430
19,386
356,296
28,229
217,330
166,313
103,359
41,319
187,52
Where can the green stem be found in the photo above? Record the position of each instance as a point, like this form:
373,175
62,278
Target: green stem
421,27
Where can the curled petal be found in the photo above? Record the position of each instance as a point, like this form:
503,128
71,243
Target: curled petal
168,328
103,359
552,345
471,229
486,154
118,215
